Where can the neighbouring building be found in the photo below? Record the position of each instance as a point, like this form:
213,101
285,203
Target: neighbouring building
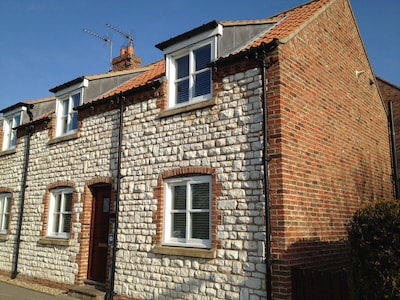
151,182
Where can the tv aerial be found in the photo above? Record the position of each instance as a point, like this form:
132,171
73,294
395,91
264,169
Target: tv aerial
128,36
104,38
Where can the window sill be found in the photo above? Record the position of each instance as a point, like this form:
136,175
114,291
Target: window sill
186,108
64,138
54,241
180,251
3,237
8,152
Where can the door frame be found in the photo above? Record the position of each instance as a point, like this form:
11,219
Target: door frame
94,188
85,219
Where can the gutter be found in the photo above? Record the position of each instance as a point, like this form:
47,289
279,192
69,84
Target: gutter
110,293
29,129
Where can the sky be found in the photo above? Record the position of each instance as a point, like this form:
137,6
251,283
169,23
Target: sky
43,43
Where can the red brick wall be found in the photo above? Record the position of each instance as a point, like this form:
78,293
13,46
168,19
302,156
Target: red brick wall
328,141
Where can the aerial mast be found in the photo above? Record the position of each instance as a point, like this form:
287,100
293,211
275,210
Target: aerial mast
128,36
104,38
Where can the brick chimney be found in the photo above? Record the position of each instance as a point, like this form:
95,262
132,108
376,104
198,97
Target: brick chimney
126,60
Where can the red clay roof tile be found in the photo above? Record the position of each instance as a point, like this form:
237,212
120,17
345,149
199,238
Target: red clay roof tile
290,20
157,70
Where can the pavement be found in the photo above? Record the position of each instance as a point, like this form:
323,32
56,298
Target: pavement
10,291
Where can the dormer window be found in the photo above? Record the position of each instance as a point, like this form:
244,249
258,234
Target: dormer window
187,60
67,117
189,75
11,121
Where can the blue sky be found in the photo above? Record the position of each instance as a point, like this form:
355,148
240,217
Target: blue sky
43,44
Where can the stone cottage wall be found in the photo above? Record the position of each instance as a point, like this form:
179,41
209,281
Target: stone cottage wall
10,182
224,138
66,163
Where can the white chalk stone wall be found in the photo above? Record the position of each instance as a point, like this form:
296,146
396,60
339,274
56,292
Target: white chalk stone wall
226,137
77,160
10,178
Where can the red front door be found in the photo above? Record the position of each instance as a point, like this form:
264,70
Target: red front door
99,233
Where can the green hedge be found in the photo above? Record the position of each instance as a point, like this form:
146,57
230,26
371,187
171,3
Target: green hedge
374,237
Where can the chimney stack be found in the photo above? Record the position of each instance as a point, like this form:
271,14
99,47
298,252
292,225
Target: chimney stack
126,60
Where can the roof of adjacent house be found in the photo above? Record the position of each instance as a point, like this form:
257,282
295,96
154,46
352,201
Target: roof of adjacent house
155,70
284,26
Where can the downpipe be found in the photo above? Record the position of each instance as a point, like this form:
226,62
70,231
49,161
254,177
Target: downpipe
260,57
110,293
29,128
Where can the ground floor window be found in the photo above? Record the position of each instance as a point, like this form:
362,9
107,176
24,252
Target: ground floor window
187,219
5,200
60,209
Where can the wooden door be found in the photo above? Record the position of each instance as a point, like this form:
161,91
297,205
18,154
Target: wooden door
99,233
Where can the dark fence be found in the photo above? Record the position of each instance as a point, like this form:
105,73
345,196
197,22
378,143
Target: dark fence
309,284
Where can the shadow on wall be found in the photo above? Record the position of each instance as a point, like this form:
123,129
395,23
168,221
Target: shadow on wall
319,270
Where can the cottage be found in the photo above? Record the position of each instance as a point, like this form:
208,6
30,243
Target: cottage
153,186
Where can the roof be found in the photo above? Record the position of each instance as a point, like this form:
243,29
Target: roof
290,22
26,103
285,25
155,70
96,76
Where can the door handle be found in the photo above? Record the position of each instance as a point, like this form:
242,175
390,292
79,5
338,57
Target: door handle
102,245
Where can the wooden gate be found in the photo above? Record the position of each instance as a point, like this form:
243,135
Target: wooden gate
309,284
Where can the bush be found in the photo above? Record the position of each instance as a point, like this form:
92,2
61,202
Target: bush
374,237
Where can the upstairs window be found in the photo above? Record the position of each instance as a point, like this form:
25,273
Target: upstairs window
9,131
187,219
5,200
189,75
67,117
60,210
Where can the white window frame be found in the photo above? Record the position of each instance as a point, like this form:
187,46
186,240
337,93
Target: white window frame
168,239
62,213
64,118
9,131
5,209
171,71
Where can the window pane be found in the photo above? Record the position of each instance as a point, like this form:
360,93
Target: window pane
56,222
178,225
202,83
5,222
179,197
57,203
182,91
200,225
16,120
65,105
76,99
202,57
200,195
7,201
66,222
67,207
13,141
182,67
74,121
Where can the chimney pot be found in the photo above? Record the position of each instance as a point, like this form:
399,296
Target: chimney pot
122,51
130,49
